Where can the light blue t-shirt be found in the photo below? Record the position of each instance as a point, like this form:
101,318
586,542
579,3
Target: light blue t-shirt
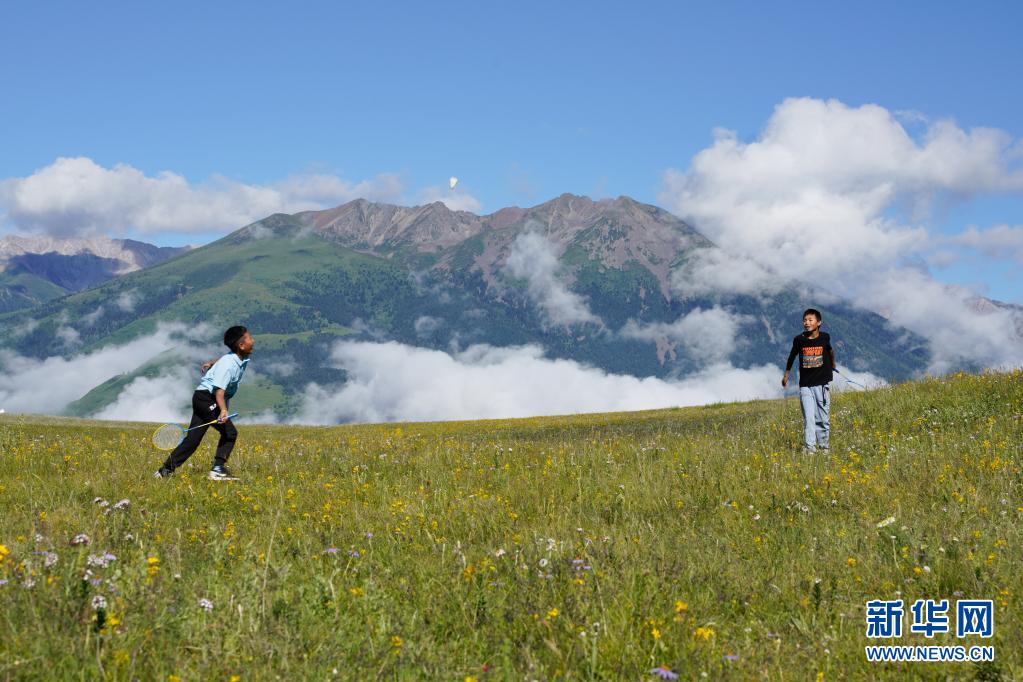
226,373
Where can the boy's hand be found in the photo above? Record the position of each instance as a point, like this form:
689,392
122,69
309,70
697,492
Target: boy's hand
205,367
785,380
223,417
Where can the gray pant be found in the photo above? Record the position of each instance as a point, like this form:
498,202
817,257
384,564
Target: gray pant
816,404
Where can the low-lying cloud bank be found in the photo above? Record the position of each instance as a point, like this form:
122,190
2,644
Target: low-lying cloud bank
48,386
395,382
388,381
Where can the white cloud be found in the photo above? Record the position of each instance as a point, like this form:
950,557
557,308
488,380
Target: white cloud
165,398
456,200
426,326
78,196
708,335
127,301
395,382
810,196
329,190
89,319
715,272
534,259
48,386
814,199
1000,241
69,336
280,368
957,327
27,327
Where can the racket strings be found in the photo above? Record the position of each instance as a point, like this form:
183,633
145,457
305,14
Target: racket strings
168,436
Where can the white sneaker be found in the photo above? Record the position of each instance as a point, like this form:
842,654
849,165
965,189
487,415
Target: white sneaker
221,473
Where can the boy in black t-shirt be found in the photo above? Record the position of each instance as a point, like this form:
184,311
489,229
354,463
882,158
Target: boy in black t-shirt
816,363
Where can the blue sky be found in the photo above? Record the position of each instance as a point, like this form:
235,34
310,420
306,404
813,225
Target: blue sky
521,101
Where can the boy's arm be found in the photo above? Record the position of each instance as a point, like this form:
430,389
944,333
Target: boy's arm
205,367
788,364
219,377
222,404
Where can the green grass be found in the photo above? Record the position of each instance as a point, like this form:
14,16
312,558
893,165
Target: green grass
584,547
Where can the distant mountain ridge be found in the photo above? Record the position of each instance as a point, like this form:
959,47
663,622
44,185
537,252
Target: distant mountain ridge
615,231
433,277
36,269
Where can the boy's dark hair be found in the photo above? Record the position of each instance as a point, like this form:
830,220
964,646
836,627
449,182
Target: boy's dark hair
233,335
813,311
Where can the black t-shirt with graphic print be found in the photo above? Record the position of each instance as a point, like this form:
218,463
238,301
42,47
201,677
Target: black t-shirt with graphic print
815,359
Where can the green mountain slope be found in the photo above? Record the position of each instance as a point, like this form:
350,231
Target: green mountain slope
21,290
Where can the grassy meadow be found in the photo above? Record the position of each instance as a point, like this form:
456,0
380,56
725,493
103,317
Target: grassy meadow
582,547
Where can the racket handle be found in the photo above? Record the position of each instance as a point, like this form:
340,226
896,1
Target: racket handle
230,416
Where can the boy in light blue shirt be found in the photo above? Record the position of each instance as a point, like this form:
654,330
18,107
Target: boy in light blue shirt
218,385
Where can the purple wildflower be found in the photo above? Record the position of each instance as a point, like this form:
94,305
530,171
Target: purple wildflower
330,550
96,561
99,602
731,657
206,605
353,553
80,539
664,672
123,504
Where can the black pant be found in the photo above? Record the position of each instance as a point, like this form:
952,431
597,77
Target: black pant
204,409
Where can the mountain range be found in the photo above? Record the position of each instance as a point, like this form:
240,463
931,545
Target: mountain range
34,270
591,281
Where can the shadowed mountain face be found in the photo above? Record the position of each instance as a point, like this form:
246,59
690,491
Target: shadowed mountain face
38,269
586,280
